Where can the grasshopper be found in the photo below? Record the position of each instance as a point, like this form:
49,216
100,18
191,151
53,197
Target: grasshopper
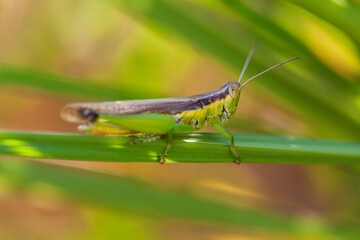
150,119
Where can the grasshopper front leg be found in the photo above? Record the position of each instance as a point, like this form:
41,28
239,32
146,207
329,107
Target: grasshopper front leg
229,136
162,158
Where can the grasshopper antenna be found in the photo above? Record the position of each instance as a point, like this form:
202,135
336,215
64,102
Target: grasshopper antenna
247,61
275,66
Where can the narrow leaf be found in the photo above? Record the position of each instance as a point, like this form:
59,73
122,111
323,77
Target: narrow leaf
192,147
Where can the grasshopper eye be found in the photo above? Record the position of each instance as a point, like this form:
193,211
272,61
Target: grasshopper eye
234,90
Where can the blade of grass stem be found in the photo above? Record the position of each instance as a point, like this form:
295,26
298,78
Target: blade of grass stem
192,147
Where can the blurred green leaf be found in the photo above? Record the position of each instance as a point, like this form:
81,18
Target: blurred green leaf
132,195
105,223
65,86
192,147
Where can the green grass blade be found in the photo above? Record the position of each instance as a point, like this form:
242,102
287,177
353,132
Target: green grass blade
192,147
133,195
63,85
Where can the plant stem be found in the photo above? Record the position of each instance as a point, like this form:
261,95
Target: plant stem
191,147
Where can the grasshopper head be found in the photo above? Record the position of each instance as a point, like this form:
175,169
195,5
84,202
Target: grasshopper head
232,95
234,90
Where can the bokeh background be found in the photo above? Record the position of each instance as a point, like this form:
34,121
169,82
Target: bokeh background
56,52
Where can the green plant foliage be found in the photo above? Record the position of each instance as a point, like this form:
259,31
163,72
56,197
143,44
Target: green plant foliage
133,195
64,86
192,147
